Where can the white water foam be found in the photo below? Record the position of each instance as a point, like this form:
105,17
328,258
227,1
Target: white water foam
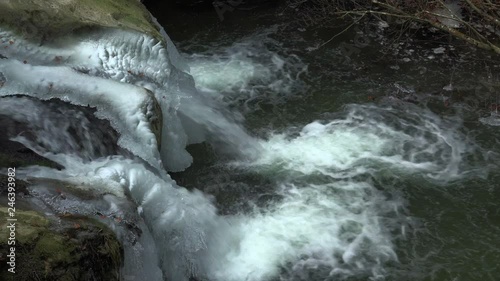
492,120
250,69
416,141
334,229
331,222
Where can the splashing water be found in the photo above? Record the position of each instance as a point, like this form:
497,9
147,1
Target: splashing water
415,142
58,128
332,218
250,70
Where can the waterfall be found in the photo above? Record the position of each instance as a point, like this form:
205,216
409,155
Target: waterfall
115,71
329,218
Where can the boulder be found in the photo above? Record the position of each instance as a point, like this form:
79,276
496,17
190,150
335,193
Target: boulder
70,248
50,18
34,22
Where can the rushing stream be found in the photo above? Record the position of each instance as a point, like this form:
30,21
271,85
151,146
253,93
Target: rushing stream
383,166
314,169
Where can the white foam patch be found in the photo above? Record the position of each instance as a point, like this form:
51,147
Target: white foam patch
248,69
219,74
492,120
331,221
322,147
331,229
370,137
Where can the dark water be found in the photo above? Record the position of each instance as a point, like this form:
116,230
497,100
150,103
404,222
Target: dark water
451,226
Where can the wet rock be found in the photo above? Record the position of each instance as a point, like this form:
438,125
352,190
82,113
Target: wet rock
70,248
14,154
39,17
63,116
203,4
40,21
155,118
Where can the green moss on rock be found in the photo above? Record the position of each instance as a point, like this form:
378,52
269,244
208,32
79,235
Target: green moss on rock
54,248
72,249
32,226
49,18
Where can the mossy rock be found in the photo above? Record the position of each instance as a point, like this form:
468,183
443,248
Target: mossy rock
44,18
72,249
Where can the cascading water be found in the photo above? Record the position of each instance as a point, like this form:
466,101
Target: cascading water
248,71
331,220
101,69
331,217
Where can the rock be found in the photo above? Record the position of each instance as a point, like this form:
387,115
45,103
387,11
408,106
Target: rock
156,118
14,154
56,17
200,4
72,248
77,124
40,21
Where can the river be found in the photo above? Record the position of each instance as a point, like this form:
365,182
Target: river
376,165
371,155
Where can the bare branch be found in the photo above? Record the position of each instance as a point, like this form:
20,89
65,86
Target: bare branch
472,28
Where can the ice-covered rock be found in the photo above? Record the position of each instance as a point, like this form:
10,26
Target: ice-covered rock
114,70
73,248
126,67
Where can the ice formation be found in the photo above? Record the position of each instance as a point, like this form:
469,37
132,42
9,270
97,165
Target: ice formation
112,70
331,220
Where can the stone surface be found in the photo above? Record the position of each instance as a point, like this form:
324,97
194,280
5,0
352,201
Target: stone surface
40,21
14,154
155,120
63,247
69,248
49,18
